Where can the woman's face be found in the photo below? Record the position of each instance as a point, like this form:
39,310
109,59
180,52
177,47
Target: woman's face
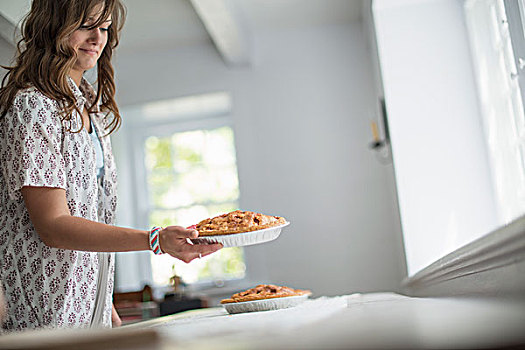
89,43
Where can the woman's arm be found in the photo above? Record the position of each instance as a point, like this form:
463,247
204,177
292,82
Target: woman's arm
56,227
2,306
115,318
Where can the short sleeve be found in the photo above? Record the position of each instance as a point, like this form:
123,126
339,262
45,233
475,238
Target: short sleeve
31,145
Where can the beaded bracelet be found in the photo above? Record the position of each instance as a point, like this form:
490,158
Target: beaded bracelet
154,240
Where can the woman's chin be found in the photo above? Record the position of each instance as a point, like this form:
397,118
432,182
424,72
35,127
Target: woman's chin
83,67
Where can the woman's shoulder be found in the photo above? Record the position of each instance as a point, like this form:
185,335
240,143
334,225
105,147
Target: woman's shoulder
31,106
30,103
33,98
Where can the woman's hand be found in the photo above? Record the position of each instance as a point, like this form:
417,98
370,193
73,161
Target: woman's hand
174,241
115,318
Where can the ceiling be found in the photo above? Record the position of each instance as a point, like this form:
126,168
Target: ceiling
165,24
168,24
159,25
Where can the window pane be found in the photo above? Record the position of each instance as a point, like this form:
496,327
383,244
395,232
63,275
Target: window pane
192,176
158,153
188,147
163,190
189,215
502,110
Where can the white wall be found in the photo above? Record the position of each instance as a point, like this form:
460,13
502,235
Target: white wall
301,116
301,120
7,52
443,180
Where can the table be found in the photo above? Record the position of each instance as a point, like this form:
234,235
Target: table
356,321
377,320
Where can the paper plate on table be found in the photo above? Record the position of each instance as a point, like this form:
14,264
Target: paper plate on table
265,304
243,238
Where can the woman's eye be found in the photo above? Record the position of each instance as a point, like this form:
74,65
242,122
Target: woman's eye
88,27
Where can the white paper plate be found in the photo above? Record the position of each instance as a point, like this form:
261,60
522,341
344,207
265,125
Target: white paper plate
244,238
265,304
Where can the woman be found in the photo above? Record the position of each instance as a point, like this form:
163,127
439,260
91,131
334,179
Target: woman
58,178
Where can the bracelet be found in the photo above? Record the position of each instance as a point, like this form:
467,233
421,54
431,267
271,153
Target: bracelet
154,240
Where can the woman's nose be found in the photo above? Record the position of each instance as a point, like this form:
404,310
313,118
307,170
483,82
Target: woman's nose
95,35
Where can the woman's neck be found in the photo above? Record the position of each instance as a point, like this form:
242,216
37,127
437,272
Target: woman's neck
76,76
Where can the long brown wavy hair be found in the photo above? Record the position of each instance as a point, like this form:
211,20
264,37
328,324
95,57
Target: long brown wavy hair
44,57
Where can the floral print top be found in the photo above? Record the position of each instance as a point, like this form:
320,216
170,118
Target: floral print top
44,286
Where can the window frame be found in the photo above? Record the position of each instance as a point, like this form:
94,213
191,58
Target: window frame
488,266
141,131
515,14
141,123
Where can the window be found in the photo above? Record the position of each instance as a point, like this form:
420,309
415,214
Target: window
185,168
191,175
455,106
502,113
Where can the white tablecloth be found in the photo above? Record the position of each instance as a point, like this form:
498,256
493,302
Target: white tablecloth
216,322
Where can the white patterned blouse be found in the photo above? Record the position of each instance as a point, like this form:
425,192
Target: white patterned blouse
44,286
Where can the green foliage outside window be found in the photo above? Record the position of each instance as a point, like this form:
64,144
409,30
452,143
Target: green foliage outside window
192,176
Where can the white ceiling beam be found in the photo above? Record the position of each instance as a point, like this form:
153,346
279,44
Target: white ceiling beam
11,14
8,29
226,28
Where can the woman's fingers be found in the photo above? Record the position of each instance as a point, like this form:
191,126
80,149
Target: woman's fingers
173,238
208,253
203,249
207,249
174,241
197,251
181,232
189,256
